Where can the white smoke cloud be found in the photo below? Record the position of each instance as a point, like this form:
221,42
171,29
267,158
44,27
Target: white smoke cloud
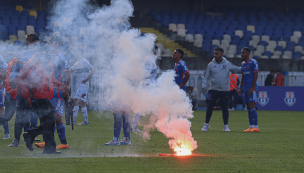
103,36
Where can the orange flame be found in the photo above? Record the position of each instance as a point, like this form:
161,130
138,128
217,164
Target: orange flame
181,150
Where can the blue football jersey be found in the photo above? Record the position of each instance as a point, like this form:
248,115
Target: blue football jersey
248,69
60,63
180,70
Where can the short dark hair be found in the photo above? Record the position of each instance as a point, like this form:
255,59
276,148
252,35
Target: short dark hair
219,49
34,37
247,49
272,71
279,71
180,51
155,47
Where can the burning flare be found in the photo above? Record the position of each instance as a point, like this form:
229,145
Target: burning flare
181,150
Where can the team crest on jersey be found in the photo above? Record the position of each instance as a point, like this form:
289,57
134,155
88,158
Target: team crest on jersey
224,67
290,98
83,95
248,67
263,98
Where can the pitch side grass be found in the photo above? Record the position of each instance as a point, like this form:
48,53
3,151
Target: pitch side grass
278,147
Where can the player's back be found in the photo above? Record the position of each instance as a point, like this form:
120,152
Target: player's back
248,70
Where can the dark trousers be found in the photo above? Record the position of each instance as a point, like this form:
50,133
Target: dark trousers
45,111
194,101
21,121
224,98
232,99
10,109
25,118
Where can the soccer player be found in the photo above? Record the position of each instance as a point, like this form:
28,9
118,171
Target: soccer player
249,88
182,73
62,74
23,112
3,68
36,83
217,71
152,68
84,72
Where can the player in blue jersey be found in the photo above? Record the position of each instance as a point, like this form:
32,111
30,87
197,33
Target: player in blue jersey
3,66
182,73
249,88
63,74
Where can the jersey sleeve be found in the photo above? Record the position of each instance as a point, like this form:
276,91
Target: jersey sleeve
255,66
88,64
65,62
184,67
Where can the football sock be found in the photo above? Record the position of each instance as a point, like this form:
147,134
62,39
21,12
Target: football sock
34,120
255,118
250,118
85,114
75,112
126,125
117,125
61,133
135,120
5,127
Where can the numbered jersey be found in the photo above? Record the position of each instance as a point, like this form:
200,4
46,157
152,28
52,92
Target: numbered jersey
82,71
248,70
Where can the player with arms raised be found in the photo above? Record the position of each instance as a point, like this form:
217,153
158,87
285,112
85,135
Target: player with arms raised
249,87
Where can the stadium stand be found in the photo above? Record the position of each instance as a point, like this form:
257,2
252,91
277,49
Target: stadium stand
269,34
16,18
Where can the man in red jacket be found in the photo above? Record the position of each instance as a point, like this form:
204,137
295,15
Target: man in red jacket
279,80
36,83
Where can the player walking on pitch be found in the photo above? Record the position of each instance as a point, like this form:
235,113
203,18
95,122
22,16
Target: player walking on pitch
152,68
84,72
3,70
24,114
249,88
36,83
218,72
63,75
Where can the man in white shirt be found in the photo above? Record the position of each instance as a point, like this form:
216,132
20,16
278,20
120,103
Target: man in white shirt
84,72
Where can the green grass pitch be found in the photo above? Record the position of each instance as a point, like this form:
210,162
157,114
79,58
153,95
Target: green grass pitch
278,147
